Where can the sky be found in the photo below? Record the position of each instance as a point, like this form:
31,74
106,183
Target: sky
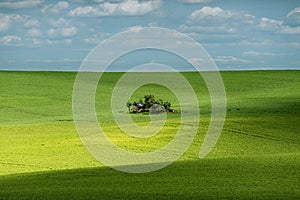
238,35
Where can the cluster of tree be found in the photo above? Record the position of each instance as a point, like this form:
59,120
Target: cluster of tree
150,103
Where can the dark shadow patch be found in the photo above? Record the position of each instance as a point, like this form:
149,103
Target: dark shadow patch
272,177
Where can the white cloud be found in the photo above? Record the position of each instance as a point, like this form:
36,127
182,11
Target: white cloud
135,29
267,24
290,45
61,22
36,41
52,32
256,53
203,29
77,1
4,22
31,23
32,41
215,25
214,16
290,30
229,59
215,21
293,17
276,26
10,40
92,40
253,42
19,18
8,20
20,4
208,12
55,8
65,41
195,1
65,32
69,31
128,8
84,11
34,32
216,38
96,38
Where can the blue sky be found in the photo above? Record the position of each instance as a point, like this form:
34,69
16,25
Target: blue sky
58,35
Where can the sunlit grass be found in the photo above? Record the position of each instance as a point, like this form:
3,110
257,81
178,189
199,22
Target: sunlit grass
257,155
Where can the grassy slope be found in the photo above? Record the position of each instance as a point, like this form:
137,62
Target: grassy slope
256,156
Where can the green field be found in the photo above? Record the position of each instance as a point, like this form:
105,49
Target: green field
256,157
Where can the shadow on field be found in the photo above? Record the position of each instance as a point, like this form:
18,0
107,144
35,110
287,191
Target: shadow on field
267,106
273,177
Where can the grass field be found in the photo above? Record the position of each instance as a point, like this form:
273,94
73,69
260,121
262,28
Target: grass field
257,155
